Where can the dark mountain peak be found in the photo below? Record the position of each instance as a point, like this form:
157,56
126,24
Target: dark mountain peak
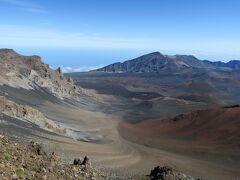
156,62
153,62
148,57
156,53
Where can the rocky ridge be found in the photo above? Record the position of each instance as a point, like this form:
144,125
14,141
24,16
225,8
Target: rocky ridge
29,114
18,161
29,72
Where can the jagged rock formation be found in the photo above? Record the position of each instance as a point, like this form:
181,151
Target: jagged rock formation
27,113
29,72
155,62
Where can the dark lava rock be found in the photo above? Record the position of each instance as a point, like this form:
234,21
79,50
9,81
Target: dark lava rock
160,173
85,161
37,148
167,173
77,161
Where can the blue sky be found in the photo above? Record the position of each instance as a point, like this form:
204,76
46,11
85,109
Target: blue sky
83,34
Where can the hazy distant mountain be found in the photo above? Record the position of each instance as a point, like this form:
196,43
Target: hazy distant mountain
233,64
156,61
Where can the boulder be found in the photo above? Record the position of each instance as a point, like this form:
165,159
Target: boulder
160,172
167,173
37,148
85,161
77,161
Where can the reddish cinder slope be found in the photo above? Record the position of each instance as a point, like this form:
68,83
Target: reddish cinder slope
212,126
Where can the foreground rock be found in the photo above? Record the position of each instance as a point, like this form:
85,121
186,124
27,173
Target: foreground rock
32,162
167,173
19,161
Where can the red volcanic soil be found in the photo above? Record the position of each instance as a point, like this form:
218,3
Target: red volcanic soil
219,126
210,136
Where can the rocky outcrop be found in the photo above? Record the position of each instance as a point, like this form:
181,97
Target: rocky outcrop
32,162
29,72
167,173
78,161
27,113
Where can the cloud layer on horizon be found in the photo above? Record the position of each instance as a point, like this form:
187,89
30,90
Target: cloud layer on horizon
25,37
79,69
12,35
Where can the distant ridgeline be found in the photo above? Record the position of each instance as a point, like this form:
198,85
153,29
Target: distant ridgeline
155,62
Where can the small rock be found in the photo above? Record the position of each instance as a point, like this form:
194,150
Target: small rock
14,177
85,161
53,164
77,161
2,166
62,172
22,169
37,148
54,157
50,169
44,170
44,177
74,169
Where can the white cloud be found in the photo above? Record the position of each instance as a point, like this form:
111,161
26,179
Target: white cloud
11,35
79,69
25,5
